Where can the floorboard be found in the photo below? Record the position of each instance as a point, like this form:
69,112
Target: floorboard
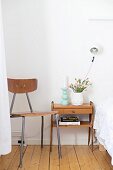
6,159
44,159
73,158
54,161
102,160
86,158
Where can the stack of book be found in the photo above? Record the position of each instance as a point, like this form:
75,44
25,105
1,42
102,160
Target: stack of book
69,120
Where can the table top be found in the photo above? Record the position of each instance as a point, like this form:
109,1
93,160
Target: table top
83,106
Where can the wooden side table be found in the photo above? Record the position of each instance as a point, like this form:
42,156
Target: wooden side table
85,109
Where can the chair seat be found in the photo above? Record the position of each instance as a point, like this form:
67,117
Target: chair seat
33,114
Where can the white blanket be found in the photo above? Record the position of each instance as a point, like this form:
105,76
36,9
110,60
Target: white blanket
103,124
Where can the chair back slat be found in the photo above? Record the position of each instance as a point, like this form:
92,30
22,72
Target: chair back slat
22,85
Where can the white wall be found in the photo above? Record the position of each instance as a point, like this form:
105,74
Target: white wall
50,40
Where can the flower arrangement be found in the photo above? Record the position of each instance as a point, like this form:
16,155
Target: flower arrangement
80,85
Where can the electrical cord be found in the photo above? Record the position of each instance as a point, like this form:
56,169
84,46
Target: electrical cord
90,67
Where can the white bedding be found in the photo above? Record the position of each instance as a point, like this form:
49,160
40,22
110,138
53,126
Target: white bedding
103,124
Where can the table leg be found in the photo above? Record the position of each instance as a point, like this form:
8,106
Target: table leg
89,131
51,133
92,139
58,136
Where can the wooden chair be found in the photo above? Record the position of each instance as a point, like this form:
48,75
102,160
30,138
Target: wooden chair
19,86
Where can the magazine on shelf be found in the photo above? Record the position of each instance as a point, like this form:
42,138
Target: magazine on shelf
69,123
69,120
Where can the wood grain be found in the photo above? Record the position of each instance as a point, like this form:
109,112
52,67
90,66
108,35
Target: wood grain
86,158
54,161
73,158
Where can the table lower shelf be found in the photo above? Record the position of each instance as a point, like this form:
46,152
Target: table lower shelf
82,124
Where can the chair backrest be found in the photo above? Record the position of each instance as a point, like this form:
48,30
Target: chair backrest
22,85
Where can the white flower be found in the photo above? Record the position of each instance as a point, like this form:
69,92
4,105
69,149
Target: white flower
80,85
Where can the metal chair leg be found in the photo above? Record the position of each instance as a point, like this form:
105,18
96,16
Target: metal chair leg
28,99
22,141
42,130
12,102
58,136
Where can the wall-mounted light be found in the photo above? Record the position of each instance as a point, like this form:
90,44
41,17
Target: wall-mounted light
94,50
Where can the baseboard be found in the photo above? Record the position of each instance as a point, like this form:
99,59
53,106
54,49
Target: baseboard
101,148
31,141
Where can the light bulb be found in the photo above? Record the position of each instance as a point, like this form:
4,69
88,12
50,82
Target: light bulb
94,50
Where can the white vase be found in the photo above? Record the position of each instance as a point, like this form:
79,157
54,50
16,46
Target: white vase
77,98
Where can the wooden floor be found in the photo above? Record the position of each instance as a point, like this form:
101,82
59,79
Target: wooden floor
73,158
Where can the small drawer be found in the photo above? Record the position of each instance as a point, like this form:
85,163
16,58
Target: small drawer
60,111
77,111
